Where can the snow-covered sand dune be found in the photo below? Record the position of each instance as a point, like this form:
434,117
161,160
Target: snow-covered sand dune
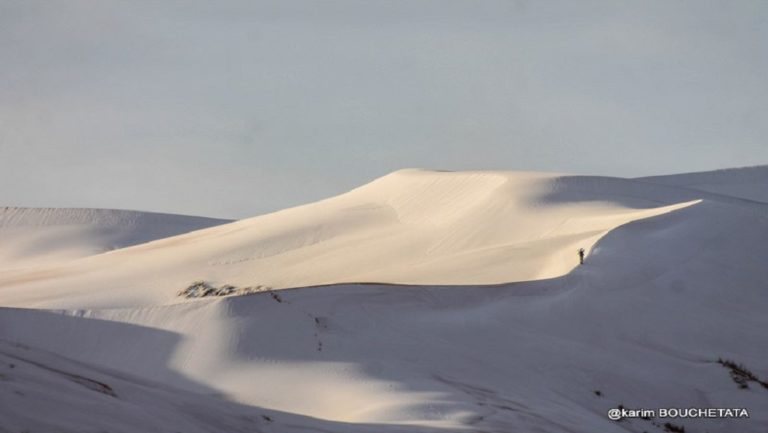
38,236
675,279
410,227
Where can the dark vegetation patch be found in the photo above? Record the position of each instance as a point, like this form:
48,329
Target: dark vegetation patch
93,385
673,428
275,296
204,289
740,374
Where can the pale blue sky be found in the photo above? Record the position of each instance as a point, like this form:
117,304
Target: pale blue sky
235,108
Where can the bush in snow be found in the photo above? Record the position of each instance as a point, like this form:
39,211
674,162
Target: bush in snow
740,374
202,289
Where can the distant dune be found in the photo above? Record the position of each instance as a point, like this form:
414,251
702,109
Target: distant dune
38,236
747,182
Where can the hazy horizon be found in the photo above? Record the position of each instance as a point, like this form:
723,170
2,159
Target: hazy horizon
240,108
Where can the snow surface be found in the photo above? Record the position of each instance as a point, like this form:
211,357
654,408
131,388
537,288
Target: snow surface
746,182
497,329
38,236
410,227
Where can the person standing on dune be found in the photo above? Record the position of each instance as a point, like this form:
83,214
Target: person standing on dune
581,256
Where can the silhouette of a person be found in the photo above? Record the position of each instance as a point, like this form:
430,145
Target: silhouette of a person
581,256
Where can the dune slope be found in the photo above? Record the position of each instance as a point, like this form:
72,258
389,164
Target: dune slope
36,236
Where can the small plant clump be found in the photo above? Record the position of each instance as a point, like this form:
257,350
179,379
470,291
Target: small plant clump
276,297
203,289
672,428
740,374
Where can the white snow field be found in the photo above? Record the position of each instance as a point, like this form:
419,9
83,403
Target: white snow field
421,302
